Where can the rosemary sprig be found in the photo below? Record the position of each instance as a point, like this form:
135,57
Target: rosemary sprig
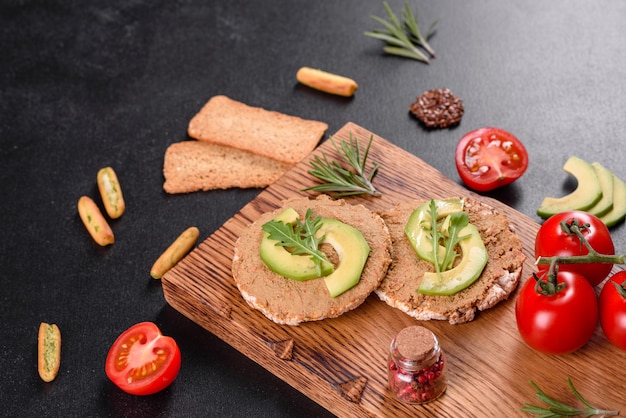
403,37
557,409
410,21
339,181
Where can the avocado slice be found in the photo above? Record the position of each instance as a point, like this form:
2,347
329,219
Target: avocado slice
281,261
618,212
348,242
416,233
474,259
605,177
587,193
352,250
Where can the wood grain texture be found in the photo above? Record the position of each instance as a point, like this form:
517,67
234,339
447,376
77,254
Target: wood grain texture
341,363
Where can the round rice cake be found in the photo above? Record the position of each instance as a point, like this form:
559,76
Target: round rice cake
288,301
498,280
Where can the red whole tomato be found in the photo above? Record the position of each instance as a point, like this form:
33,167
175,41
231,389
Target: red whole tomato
613,309
552,240
558,323
489,158
142,361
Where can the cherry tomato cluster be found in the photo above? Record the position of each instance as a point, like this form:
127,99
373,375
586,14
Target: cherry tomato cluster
557,311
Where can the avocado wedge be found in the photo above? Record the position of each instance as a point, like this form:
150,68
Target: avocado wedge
414,229
587,193
353,251
474,255
618,212
473,261
605,177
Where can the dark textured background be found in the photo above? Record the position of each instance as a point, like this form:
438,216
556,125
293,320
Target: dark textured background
84,85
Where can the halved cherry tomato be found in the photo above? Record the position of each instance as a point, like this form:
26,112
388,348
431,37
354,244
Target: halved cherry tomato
489,158
142,361
557,323
613,309
552,240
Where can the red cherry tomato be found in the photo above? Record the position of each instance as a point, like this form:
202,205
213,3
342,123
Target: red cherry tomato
560,323
613,309
489,158
142,361
552,240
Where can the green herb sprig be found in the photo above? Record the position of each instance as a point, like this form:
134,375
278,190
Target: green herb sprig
299,238
339,181
404,37
457,221
558,409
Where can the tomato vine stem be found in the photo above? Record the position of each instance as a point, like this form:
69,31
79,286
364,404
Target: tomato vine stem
576,228
550,285
621,288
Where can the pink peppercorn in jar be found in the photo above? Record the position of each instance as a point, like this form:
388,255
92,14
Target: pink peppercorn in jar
417,369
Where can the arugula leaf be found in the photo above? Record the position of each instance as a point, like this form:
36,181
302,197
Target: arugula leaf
309,228
299,238
456,222
434,235
445,233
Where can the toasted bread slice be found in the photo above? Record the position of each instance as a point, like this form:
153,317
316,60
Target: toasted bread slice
262,132
191,166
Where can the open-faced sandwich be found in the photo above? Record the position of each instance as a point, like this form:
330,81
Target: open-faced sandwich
451,258
311,259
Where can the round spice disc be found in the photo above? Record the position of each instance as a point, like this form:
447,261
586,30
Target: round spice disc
415,342
438,108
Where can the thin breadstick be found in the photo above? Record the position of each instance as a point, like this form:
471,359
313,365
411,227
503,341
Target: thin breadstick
111,192
95,223
49,351
175,252
327,82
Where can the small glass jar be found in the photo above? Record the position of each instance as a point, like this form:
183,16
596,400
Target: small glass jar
416,366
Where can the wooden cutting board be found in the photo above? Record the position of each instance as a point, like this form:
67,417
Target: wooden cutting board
341,363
